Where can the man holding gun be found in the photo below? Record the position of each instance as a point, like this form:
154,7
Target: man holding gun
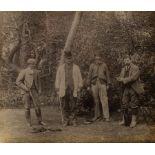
29,83
132,89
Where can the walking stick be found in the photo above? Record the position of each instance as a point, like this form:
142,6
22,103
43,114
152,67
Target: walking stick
38,111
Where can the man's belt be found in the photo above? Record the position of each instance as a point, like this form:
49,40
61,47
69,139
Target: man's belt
95,79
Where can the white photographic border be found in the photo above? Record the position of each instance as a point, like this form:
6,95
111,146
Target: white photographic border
76,5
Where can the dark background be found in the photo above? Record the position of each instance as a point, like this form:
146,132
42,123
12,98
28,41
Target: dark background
42,35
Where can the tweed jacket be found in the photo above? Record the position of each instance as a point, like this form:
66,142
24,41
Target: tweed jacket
26,78
133,79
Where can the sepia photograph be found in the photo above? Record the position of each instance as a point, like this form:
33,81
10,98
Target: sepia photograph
77,76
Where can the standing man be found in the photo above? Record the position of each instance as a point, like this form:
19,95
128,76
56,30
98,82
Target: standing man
29,83
99,82
130,77
68,84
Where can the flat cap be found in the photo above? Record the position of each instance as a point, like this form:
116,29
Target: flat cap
31,61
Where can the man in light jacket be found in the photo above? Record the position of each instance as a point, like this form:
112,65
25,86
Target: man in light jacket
29,83
68,84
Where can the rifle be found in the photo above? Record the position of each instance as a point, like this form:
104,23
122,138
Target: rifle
126,113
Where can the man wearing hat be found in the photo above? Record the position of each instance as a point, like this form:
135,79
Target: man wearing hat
68,84
99,83
29,83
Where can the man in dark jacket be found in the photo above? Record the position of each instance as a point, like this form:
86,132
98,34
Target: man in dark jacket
130,77
99,82
29,83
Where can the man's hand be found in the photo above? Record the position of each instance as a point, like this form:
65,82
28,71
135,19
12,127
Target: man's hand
78,91
108,86
125,81
57,91
88,88
39,92
119,79
27,90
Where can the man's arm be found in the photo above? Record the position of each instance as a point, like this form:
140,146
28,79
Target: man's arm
133,77
57,80
122,73
121,76
20,79
107,75
80,78
39,81
90,74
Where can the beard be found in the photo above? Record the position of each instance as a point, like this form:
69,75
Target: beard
68,61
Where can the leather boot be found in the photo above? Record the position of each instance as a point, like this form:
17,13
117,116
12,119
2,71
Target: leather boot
133,121
65,123
122,122
95,119
39,116
74,122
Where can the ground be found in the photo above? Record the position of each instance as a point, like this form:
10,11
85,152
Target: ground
13,128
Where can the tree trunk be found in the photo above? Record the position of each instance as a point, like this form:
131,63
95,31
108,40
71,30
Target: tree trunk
12,43
71,35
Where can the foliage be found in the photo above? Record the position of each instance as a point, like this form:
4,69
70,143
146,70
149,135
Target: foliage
113,34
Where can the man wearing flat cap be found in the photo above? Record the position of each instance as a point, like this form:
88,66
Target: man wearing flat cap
68,84
29,83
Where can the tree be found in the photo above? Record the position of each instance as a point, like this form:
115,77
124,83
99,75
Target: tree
71,34
45,35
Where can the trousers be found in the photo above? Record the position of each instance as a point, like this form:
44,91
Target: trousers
28,98
68,105
99,92
130,100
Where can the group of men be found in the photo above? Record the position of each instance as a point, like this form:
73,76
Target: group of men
69,83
